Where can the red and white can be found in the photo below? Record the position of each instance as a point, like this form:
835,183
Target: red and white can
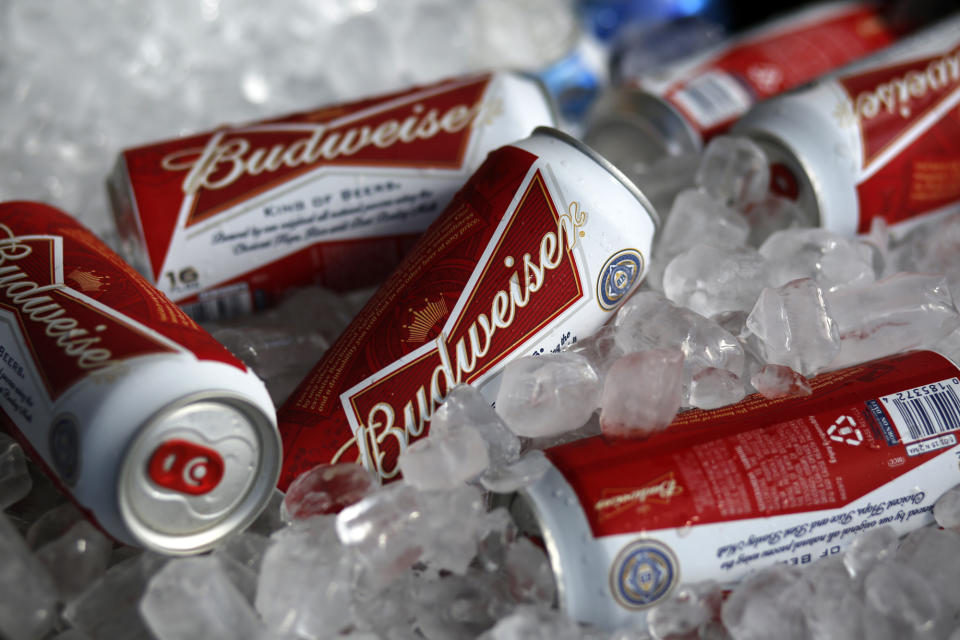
225,221
878,139
680,107
541,245
154,428
730,490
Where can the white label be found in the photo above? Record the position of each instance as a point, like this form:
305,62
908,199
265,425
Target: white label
714,98
925,411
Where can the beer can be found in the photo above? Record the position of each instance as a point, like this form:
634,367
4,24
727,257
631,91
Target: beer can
540,247
726,491
679,107
877,139
226,221
155,430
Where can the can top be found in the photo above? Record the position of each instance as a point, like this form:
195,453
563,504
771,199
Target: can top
200,468
605,164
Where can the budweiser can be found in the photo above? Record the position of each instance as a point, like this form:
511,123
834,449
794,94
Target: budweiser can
878,139
153,427
225,221
730,490
679,107
540,247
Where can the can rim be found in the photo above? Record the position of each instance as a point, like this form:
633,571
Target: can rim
247,507
621,177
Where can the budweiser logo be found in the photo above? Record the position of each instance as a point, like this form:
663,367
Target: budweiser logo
242,161
887,102
34,303
663,489
64,330
522,283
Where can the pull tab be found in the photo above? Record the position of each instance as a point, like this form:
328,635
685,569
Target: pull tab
186,467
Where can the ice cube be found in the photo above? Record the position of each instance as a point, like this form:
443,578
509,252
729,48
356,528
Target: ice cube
548,394
325,489
108,608
903,593
534,623
901,312
833,261
15,482
650,321
734,170
529,574
241,556
398,525
689,609
769,599
457,606
642,393
935,554
77,558
193,598
772,214
794,326
946,511
465,406
445,459
696,217
870,548
53,524
710,280
28,608
527,470
305,580
836,610
711,388
779,381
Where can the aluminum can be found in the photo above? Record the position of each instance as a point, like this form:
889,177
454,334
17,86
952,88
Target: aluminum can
540,247
878,139
155,430
681,106
226,221
727,491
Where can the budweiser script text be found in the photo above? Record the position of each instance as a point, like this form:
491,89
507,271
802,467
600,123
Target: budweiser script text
228,155
894,96
471,353
28,298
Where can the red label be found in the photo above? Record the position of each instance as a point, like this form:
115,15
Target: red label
778,58
922,177
77,303
425,127
185,467
761,457
440,320
888,102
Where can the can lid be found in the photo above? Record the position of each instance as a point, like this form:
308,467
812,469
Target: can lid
606,164
200,469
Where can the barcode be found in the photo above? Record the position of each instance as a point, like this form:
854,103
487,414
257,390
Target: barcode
923,412
218,304
713,98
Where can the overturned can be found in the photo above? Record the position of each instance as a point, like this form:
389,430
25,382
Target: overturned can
877,139
678,108
727,491
225,222
154,428
540,247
